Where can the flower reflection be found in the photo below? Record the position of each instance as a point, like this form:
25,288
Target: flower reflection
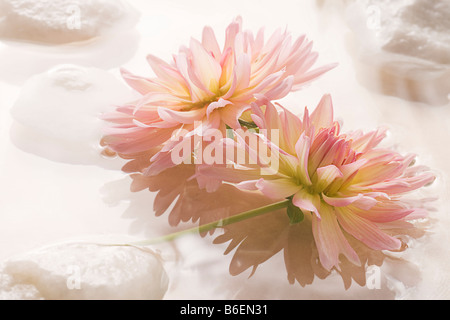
254,241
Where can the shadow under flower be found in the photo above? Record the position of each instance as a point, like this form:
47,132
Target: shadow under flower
256,240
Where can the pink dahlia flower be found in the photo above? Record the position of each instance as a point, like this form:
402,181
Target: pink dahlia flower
208,85
344,183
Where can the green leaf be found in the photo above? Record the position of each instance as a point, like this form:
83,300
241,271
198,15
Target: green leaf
295,214
248,125
230,133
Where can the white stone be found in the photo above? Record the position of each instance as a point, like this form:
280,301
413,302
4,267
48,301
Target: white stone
63,21
84,271
419,28
57,113
9,290
404,46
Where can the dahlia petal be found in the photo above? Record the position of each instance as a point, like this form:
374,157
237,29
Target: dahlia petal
205,90
333,156
322,116
231,115
281,89
307,202
267,59
249,185
392,187
350,169
216,105
365,202
378,173
348,172
369,140
247,152
227,64
231,175
417,213
209,41
242,70
137,141
297,60
271,116
160,162
285,50
291,130
175,139
384,212
399,186
258,43
213,122
308,62
158,99
318,140
302,148
266,67
184,67
366,231
117,117
378,155
157,65
297,54
274,41
209,184
162,124
326,176
378,195
240,44
360,200
278,188
300,81
181,116
317,156
231,32
206,127
146,114
259,122
421,180
140,84
168,74
232,86
287,164
269,81
140,124
341,202
330,240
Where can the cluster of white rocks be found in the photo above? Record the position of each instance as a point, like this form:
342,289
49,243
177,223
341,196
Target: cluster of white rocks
63,21
84,271
57,117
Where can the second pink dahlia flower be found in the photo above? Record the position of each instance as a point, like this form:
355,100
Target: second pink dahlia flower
207,86
344,184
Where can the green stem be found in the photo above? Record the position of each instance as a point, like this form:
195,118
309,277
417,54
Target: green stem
217,224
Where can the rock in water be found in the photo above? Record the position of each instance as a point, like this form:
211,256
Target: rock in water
83,271
63,21
418,29
9,290
404,46
57,113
